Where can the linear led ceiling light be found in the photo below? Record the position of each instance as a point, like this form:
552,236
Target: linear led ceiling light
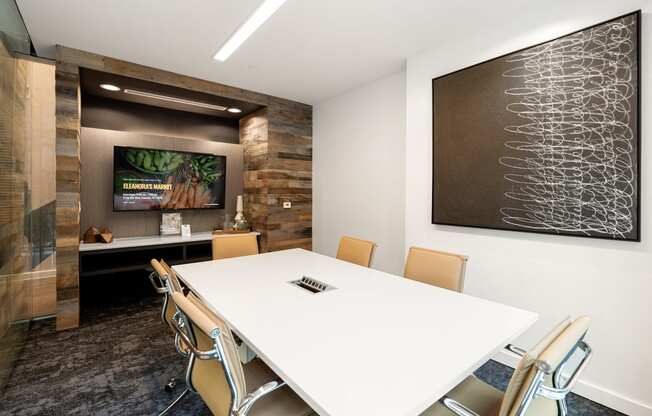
262,13
175,100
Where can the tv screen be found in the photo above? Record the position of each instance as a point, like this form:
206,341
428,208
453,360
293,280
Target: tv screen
156,179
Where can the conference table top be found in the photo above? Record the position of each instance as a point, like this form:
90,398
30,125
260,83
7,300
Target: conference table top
375,344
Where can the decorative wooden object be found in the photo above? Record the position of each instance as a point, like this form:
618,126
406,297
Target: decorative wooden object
106,236
90,236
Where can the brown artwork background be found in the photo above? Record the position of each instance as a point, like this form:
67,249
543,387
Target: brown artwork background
521,142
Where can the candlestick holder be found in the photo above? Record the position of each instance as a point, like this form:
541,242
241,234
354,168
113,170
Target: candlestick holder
239,210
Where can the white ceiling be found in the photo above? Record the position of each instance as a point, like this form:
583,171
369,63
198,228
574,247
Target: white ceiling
308,51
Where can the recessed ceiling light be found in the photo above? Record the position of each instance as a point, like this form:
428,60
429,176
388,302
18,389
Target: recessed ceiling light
175,100
234,110
110,87
262,13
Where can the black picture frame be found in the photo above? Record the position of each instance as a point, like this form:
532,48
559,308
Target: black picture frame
637,139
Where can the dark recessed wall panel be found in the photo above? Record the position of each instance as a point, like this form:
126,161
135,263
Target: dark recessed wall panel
97,182
105,113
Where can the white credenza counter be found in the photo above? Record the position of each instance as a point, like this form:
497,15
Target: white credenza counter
153,240
134,253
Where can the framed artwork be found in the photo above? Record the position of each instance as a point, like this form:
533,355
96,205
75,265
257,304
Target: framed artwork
170,223
545,139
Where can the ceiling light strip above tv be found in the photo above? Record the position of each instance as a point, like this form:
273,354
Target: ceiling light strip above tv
175,100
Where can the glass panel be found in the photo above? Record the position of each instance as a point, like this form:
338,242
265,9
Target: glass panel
27,200
12,27
11,210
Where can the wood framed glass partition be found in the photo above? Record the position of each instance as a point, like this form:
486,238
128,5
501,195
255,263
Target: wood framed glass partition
27,193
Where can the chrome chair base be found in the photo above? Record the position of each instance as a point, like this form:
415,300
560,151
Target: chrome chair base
174,403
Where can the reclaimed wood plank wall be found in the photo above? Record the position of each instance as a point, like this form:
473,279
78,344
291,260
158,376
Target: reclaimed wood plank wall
277,143
254,138
288,176
68,194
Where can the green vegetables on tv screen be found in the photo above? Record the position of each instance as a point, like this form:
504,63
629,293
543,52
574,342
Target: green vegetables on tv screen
156,179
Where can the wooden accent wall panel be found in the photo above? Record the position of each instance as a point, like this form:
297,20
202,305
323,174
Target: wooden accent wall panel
278,168
288,176
254,134
277,144
68,197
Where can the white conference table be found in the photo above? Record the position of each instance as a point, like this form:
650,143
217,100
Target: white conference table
377,345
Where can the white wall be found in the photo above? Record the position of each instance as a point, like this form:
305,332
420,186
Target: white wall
359,170
554,276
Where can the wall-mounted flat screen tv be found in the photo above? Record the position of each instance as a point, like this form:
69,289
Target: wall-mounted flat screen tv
157,179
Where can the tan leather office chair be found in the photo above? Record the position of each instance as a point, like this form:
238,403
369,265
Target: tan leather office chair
356,251
234,245
165,283
246,353
445,270
216,374
536,387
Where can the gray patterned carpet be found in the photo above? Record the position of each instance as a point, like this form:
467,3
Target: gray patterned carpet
118,360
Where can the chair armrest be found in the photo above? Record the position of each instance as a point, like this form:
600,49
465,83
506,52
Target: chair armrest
181,348
457,407
558,393
260,392
181,334
158,287
515,350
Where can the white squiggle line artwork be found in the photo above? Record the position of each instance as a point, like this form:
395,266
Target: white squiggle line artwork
572,166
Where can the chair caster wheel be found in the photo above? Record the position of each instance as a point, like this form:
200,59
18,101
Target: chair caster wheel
169,387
